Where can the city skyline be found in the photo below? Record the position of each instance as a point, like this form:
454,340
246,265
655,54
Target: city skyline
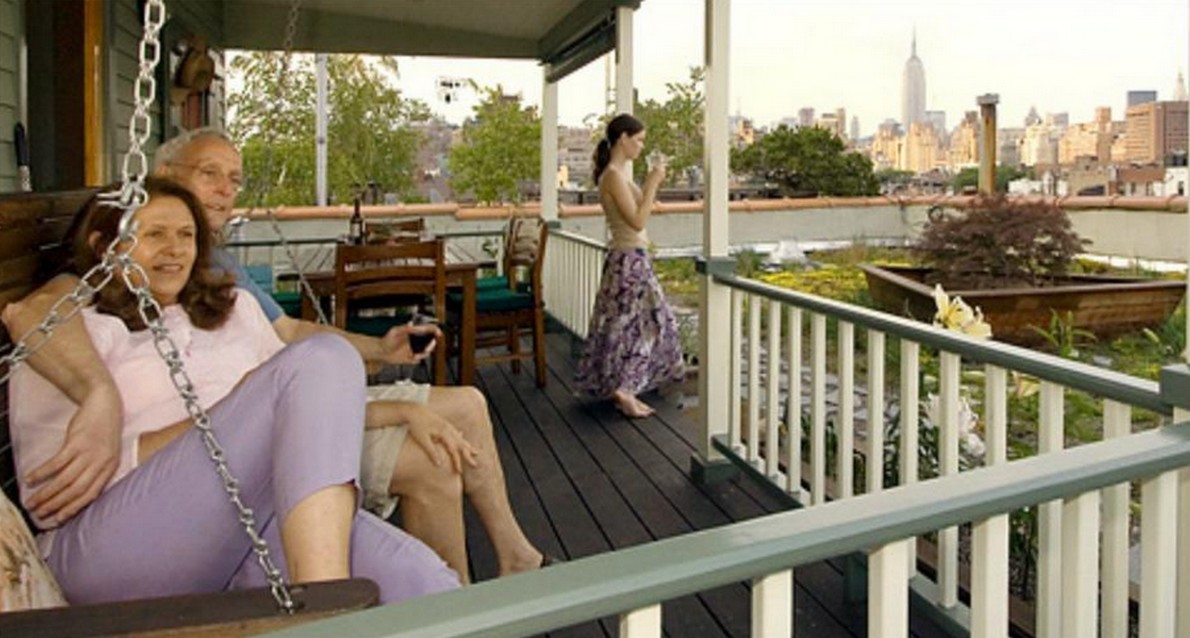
1033,54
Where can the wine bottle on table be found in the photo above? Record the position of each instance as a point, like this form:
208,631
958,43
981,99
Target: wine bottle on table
357,230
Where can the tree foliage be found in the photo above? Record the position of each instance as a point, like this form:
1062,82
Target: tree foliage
968,178
675,127
369,137
500,148
806,162
1000,242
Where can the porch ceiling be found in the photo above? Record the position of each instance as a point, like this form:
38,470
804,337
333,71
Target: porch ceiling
557,32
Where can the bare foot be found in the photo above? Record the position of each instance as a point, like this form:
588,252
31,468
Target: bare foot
630,406
526,563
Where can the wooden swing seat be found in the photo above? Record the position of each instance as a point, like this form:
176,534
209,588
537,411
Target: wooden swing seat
32,226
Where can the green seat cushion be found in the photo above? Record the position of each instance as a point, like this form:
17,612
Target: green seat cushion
290,302
491,283
495,300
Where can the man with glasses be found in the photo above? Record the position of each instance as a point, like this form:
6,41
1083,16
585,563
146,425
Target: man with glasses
207,163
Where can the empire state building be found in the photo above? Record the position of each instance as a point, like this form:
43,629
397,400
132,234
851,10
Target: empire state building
913,89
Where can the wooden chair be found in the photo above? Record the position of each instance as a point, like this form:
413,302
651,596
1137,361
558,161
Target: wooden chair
390,281
32,226
504,312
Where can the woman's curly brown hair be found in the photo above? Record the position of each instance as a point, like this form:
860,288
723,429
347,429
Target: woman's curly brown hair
207,297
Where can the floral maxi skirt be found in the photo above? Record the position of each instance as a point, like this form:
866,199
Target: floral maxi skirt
632,343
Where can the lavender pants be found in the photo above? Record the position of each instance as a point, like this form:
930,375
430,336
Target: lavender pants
292,427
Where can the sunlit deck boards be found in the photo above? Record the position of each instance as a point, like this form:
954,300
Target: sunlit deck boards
584,480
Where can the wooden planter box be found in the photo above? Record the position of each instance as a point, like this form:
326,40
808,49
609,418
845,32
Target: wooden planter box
1105,306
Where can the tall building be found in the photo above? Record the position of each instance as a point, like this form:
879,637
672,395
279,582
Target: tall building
1089,144
1179,89
854,127
834,122
1136,98
1155,131
805,117
938,120
913,89
575,151
922,150
964,142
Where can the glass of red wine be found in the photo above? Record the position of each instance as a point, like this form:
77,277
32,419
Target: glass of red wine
418,342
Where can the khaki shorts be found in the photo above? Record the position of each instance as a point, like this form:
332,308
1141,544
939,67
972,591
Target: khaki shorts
382,445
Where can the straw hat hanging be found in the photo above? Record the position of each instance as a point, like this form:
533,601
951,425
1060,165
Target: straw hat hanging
197,70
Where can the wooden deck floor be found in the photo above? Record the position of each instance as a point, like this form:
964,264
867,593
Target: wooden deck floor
584,480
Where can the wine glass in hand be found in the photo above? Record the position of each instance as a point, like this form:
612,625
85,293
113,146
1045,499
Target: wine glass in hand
419,341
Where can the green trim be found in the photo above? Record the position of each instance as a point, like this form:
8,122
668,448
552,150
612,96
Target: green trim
1175,385
715,266
608,584
1080,376
704,472
258,26
719,442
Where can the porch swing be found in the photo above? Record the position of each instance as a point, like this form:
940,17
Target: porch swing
225,613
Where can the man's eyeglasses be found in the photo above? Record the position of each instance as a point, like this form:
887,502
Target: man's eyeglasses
213,176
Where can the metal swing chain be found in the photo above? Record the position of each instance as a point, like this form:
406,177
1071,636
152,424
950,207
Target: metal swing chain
270,136
131,198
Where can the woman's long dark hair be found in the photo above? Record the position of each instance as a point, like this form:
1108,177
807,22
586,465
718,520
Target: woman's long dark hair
207,297
622,124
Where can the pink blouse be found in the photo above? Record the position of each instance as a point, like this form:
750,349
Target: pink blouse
215,360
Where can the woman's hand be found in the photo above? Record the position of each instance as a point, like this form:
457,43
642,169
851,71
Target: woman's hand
441,440
656,176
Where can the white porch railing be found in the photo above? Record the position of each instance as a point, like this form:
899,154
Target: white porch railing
572,272
631,583
772,406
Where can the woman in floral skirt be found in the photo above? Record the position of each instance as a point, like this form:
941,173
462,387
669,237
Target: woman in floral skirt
632,344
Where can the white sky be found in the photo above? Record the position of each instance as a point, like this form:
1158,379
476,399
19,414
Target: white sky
1058,55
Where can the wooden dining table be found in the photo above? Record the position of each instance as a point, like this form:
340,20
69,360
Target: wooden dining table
462,271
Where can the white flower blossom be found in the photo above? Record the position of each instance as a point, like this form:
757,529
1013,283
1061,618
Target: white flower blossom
955,314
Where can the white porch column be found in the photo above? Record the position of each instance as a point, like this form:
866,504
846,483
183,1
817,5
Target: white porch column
549,147
624,86
715,300
320,78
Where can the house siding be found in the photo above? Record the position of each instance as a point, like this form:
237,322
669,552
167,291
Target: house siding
11,35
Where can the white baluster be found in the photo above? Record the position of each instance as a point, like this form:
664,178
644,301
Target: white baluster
641,623
772,605
772,418
1116,537
737,343
875,464
754,380
1049,520
1158,548
818,409
845,426
793,403
910,417
1183,540
948,464
888,590
989,537
1080,564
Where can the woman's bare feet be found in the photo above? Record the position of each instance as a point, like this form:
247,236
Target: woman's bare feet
630,406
